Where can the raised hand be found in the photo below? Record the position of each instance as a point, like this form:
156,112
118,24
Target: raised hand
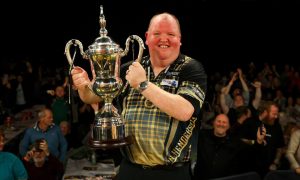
44,146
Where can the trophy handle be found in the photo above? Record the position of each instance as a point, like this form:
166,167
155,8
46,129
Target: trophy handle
141,46
74,42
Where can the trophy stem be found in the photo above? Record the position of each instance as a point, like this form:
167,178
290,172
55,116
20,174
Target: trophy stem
108,130
107,109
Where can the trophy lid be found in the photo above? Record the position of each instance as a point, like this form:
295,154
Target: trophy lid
103,44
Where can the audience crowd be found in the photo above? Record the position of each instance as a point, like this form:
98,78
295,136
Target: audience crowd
250,120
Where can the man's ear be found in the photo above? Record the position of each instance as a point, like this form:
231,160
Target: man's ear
146,35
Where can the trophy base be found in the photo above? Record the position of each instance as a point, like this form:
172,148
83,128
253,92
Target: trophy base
109,144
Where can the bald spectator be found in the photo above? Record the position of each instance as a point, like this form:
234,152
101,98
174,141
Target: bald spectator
219,154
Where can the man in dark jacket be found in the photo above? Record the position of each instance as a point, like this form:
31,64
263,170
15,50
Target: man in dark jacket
220,154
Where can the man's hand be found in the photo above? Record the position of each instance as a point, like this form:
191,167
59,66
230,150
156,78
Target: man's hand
256,84
233,78
273,167
135,74
28,155
80,77
44,147
260,135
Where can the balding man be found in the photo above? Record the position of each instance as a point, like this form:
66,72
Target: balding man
220,154
45,129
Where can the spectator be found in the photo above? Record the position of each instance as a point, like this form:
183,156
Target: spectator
60,107
11,167
219,153
244,92
293,151
41,164
270,154
45,128
65,128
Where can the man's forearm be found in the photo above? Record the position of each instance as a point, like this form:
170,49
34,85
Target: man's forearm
172,104
87,96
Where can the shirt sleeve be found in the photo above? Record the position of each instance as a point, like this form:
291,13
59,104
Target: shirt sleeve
193,83
19,170
24,144
293,146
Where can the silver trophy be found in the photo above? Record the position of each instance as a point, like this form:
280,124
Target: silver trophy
108,129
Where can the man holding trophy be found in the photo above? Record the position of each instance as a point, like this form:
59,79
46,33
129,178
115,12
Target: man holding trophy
159,105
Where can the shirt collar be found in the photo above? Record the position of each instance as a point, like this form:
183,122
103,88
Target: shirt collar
37,128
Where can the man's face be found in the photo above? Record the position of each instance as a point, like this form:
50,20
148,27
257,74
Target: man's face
221,125
272,114
163,38
64,129
60,92
48,118
38,156
238,100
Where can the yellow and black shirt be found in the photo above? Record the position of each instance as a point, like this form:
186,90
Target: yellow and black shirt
160,139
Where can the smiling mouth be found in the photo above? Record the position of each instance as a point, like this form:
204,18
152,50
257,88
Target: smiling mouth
163,46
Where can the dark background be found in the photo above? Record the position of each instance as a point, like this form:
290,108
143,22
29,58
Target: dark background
219,32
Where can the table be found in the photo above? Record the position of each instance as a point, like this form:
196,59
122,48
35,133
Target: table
16,129
85,170
20,122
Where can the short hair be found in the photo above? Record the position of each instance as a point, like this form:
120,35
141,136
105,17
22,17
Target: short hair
42,112
265,106
166,14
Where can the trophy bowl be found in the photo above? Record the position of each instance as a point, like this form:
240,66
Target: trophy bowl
108,128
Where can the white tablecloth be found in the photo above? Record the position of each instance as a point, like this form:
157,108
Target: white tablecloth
84,169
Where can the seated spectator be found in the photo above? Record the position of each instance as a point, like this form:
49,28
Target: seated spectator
65,128
221,155
11,166
40,164
45,128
